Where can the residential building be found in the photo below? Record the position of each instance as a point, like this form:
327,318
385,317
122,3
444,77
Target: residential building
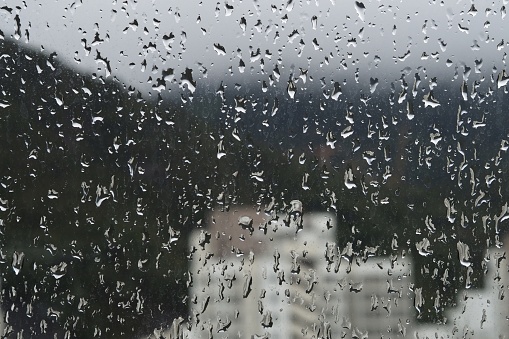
261,276
479,313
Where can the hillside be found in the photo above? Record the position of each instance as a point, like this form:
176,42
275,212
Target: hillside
100,188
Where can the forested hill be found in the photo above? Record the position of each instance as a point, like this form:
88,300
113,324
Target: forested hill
99,187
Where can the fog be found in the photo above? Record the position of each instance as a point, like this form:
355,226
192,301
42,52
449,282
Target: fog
138,40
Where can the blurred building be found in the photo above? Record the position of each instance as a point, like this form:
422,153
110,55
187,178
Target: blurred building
255,276
479,313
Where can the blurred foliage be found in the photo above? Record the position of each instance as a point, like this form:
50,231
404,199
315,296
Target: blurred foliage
100,188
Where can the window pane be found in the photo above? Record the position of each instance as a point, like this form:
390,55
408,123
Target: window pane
244,169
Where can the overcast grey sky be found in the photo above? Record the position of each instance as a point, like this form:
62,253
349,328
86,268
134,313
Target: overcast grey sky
380,39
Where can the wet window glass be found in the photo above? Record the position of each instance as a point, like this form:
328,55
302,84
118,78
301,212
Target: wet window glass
253,169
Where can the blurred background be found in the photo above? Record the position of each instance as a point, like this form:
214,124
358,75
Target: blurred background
137,138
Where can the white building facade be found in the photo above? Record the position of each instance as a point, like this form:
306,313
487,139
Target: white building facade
255,276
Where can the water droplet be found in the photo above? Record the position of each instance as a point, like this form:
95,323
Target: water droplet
349,178
243,24
429,100
58,271
361,10
246,288
502,79
373,83
220,50
17,261
246,222
267,319
464,254
314,20
187,80
228,9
